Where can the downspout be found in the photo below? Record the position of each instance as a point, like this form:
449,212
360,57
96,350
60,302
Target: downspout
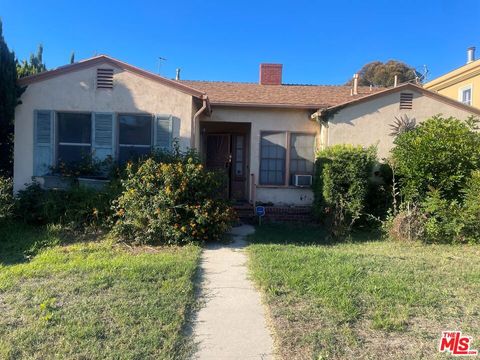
317,116
194,120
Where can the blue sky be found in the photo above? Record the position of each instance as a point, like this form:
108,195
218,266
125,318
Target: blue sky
319,42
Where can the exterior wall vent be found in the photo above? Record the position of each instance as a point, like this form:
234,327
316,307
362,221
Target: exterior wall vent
406,101
104,78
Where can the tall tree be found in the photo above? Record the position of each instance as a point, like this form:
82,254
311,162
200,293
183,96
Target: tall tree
34,66
72,57
377,73
9,94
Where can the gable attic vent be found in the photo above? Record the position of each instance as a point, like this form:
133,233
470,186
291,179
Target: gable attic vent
104,78
406,101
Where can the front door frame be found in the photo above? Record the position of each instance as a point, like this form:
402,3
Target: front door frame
232,130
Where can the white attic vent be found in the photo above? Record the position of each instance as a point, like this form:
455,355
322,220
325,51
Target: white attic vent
406,101
104,78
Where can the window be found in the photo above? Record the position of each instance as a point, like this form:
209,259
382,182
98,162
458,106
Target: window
74,136
135,136
466,95
273,159
301,155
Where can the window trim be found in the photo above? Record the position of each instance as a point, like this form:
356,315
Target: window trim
56,134
460,93
287,133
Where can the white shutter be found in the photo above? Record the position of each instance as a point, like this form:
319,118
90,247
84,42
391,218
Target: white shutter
103,135
43,142
163,132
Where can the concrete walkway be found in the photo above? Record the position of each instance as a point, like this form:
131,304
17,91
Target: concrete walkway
231,324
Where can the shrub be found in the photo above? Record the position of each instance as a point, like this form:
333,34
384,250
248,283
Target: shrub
76,207
440,220
6,198
439,153
341,184
471,209
172,203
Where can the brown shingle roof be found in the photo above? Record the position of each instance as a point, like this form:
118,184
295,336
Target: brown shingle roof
294,96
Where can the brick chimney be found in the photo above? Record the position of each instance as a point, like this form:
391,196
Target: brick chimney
271,74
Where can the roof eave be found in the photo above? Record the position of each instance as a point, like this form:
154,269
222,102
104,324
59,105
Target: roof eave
117,63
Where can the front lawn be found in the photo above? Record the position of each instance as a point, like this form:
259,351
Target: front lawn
365,299
92,300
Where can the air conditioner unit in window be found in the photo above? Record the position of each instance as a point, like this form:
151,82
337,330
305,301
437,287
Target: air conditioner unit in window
303,180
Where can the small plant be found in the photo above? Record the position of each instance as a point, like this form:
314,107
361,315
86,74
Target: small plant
174,203
88,166
47,309
402,125
6,198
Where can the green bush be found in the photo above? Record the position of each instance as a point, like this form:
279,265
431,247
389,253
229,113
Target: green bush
76,207
172,203
6,198
440,220
439,153
341,185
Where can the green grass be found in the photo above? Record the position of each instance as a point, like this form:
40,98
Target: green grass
366,298
92,300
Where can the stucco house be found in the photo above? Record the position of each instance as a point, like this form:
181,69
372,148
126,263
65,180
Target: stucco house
264,135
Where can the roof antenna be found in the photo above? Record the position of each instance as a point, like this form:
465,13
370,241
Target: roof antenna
160,59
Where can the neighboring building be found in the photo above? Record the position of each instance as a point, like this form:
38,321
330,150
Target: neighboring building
461,84
262,135
367,121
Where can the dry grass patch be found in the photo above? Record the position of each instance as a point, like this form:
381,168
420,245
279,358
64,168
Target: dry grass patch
365,299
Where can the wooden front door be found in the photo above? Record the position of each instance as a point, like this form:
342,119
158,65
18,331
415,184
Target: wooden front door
218,156
227,153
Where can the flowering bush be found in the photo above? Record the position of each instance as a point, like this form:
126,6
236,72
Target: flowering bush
171,203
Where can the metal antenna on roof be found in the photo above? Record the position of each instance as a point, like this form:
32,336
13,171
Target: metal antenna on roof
160,59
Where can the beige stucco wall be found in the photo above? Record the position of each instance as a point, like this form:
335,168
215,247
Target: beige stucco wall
76,92
368,123
262,119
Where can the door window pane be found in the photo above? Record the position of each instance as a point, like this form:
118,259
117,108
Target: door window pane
302,153
272,158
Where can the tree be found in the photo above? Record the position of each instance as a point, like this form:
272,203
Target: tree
377,73
34,66
9,94
72,57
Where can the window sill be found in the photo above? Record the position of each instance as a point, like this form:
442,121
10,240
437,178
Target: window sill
283,187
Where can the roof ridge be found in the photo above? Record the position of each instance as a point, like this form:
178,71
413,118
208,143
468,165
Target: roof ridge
283,84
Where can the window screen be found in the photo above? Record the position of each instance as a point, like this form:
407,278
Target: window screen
272,158
301,155
135,136
74,136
